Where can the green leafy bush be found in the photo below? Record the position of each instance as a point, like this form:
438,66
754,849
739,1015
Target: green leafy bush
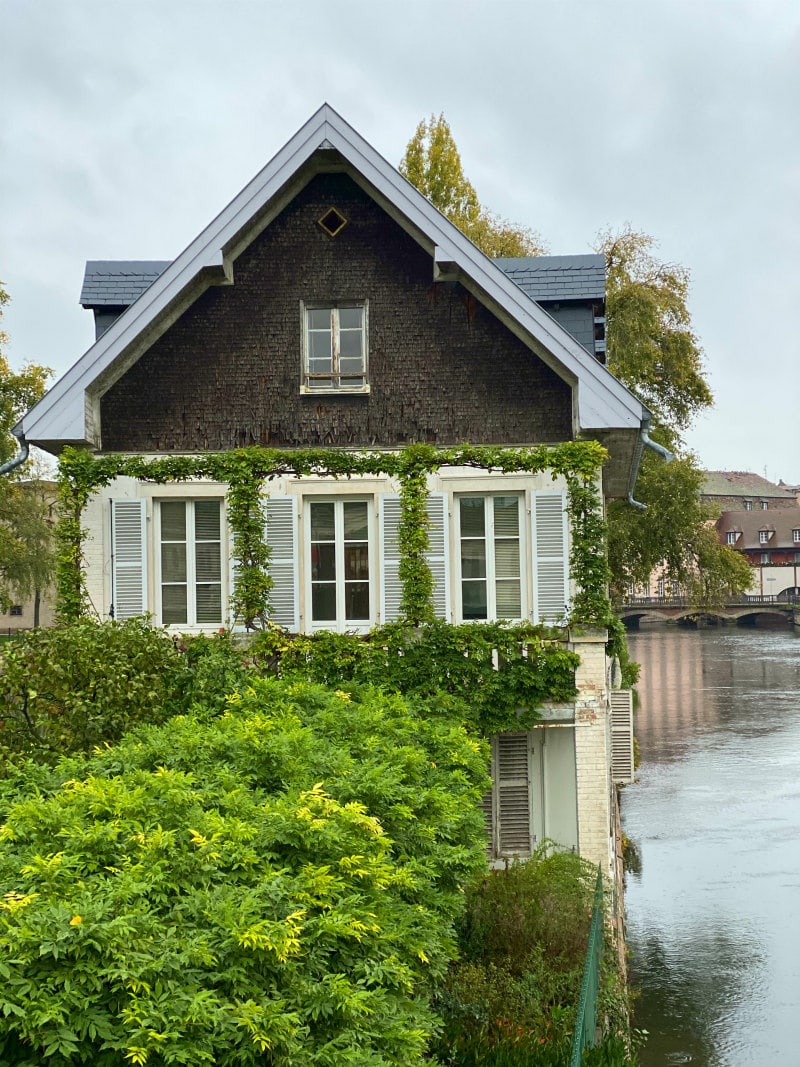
274,886
71,688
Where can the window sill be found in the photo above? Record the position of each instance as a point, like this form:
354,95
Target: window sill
306,390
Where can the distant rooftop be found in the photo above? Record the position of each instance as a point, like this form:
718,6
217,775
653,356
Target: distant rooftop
118,283
743,484
558,278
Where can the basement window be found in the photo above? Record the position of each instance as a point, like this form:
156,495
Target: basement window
335,349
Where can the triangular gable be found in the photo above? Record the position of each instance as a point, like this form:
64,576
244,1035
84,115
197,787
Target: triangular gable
68,413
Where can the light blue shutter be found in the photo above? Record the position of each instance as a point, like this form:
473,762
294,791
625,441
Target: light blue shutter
281,536
437,555
389,523
128,558
622,769
550,562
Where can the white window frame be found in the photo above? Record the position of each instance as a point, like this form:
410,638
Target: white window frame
731,537
766,558
191,571
336,384
340,624
491,577
796,537
763,537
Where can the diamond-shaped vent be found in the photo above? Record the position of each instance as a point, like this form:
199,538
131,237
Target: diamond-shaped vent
333,222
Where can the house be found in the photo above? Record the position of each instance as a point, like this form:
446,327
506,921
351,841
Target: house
744,491
330,306
770,543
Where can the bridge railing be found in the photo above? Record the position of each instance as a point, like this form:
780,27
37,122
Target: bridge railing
684,602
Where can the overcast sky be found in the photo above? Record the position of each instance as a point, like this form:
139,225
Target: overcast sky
126,126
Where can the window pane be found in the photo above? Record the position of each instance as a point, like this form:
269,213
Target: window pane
351,366
173,604
322,522
350,318
350,344
356,562
509,603
319,318
319,346
208,567
173,562
206,520
323,563
473,559
506,559
209,603
356,600
473,523
323,603
355,520
173,520
506,516
473,600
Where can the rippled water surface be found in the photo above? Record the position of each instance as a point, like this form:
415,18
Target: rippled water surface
714,910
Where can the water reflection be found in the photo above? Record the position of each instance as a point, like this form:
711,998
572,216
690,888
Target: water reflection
712,919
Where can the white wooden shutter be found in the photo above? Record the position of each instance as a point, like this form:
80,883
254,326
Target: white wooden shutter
551,564
128,558
512,795
622,769
389,523
281,536
438,554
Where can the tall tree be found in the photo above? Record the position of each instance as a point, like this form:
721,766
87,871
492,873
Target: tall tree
25,530
653,349
432,163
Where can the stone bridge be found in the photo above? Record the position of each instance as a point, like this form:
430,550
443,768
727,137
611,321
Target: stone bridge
743,610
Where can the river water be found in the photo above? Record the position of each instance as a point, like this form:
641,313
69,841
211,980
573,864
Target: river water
714,910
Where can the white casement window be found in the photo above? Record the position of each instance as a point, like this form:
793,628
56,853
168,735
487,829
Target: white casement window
660,587
796,537
763,537
189,537
730,537
338,563
491,552
766,557
335,348
764,505
748,505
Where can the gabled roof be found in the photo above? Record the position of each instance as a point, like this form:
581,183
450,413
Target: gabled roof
557,279
69,412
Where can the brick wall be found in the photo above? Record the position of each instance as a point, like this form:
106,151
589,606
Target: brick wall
442,368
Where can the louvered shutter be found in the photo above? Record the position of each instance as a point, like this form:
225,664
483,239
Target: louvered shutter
389,523
281,536
551,573
622,769
512,795
438,555
128,558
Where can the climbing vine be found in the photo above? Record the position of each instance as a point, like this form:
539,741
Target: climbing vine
247,471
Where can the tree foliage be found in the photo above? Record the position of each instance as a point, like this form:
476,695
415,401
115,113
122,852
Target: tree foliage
25,531
651,345
277,885
432,163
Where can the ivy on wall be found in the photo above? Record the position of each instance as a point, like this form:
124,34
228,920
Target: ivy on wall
247,473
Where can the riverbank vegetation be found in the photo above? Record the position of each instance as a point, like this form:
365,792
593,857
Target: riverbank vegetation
202,862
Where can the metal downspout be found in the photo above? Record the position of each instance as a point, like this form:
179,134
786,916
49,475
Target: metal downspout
19,459
647,442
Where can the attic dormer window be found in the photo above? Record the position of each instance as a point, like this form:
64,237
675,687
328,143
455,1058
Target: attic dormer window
333,222
335,348
763,537
731,537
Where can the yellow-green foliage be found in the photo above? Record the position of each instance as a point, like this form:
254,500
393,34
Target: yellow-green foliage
277,885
